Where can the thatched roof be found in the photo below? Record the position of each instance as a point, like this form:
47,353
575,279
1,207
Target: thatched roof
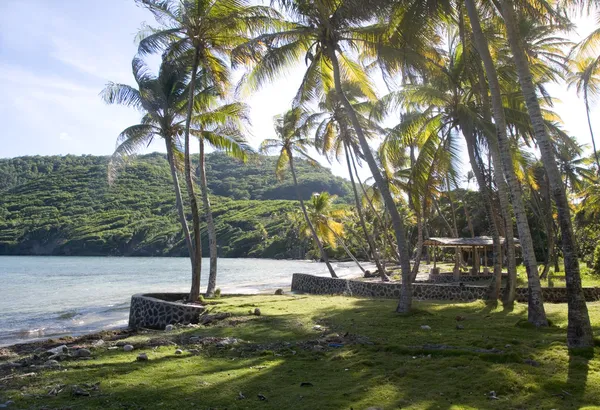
466,242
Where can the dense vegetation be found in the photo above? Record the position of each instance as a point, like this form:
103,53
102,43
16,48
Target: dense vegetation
65,206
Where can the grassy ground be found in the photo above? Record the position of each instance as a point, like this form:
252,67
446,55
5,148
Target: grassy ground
362,355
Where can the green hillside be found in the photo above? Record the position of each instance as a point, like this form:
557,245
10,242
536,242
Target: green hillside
65,206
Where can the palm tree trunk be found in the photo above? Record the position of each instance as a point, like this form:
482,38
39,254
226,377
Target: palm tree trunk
308,222
419,250
579,330
361,218
341,242
196,272
375,214
210,225
405,302
179,203
494,292
536,312
587,111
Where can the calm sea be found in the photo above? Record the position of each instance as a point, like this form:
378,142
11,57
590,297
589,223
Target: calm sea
43,297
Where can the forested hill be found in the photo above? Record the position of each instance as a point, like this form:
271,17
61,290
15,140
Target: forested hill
64,206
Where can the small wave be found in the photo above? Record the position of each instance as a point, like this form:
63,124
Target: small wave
70,314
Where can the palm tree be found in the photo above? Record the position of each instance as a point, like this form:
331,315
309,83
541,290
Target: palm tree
162,99
334,136
325,221
221,127
585,76
200,34
579,331
503,161
321,33
292,129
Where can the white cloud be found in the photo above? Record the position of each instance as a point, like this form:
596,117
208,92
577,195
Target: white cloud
63,136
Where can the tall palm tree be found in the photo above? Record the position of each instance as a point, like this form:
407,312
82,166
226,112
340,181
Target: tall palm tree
292,129
536,312
221,126
323,32
335,137
201,34
585,76
162,100
579,330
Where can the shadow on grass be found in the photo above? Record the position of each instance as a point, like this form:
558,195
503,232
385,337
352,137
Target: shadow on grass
385,360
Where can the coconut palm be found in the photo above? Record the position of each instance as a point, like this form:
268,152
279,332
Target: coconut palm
162,100
579,331
335,137
501,146
585,76
201,34
292,129
221,126
325,220
322,33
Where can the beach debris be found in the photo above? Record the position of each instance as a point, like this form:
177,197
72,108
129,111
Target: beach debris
128,348
178,351
257,312
279,292
208,319
169,328
492,395
78,391
241,396
56,389
460,318
53,364
507,346
99,343
262,397
113,347
317,327
336,345
142,357
82,353
460,327
425,327
58,349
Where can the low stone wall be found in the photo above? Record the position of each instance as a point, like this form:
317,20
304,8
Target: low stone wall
449,278
421,291
157,310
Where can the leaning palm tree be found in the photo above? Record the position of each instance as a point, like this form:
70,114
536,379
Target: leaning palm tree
325,220
579,330
335,137
585,76
162,99
322,33
201,34
221,126
292,129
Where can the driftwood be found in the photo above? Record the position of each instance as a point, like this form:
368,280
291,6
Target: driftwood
208,319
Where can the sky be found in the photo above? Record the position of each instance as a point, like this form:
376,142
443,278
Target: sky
56,57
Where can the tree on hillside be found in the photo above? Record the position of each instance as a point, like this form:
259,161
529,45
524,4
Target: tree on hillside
292,129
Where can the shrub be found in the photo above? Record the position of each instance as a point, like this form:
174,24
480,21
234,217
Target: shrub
596,260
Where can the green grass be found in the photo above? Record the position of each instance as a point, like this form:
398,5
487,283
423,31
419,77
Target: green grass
387,361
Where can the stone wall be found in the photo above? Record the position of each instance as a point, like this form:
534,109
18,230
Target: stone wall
449,278
157,310
421,291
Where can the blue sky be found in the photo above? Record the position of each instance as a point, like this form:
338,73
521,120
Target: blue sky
56,56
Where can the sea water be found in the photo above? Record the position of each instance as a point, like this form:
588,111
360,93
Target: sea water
51,296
